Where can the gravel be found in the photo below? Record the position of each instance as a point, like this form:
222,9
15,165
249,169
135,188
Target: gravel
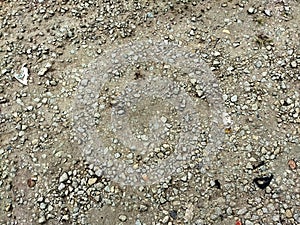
226,86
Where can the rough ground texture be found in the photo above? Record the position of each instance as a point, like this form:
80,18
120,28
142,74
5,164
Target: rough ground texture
253,50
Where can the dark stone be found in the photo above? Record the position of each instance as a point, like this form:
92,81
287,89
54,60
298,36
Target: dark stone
263,182
173,214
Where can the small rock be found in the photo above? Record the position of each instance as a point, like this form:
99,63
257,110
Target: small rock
216,54
98,172
48,65
254,107
65,217
21,133
249,165
276,218
184,178
99,51
42,72
43,205
122,218
35,141
31,182
294,64
30,108
267,12
42,220
216,62
143,208
4,71
251,10
288,213
64,177
292,164
61,186
229,211
173,214
236,44
163,119
268,47
84,82
258,64
44,100
230,68
234,98
247,222
225,31
242,211
92,181
138,222
165,219
162,200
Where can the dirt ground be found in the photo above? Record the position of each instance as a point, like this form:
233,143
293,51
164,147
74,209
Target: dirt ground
251,49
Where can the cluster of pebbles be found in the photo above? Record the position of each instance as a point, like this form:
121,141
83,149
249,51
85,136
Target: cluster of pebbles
53,167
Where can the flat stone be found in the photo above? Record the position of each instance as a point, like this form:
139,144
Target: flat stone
64,177
42,72
92,181
247,222
288,213
242,211
165,219
61,186
230,68
216,54
34,141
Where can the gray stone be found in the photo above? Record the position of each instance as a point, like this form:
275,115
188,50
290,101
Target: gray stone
165,219
64,177
234,98
43,71
242,211
61,186
248,222
138,222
